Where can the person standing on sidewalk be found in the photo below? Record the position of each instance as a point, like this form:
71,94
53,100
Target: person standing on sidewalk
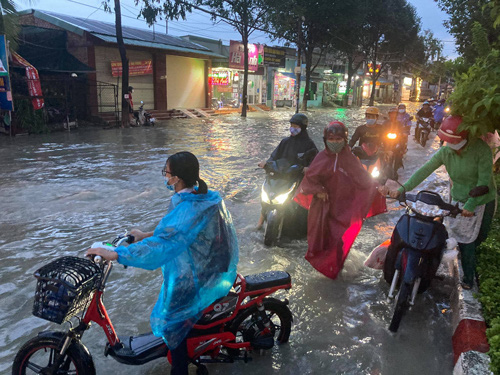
469,164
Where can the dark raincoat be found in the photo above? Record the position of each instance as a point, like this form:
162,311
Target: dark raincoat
293,148
334,225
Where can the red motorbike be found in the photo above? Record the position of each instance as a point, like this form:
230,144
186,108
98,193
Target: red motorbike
244,320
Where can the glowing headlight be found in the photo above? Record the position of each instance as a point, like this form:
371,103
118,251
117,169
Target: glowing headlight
375,172
265,198
280,199
392,135
447,109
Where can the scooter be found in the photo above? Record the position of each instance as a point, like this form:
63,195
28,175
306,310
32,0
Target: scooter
282,214
423,129
246,319
417,245
371,157
143,118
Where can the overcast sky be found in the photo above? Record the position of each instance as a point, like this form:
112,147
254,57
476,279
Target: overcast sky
199,23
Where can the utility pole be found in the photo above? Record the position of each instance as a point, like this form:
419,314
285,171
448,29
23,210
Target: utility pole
299,63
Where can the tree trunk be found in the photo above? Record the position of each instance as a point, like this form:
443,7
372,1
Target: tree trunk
374,86
244,38
350,73
299,64
123,56
308,53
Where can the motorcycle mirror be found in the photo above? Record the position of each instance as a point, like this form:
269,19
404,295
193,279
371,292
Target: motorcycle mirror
479,191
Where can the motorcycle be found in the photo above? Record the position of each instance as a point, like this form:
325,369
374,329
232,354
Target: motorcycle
246,319
143,118
282,214
371,157
423,129
417,246
395,146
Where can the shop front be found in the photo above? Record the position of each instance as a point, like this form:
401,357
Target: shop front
224,85
284,89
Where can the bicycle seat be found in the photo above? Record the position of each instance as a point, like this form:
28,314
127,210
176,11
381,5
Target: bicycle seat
267,280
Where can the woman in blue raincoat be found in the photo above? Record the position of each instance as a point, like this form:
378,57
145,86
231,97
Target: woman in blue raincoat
196,247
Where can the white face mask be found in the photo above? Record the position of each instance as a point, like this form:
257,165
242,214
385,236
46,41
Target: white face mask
401,110
457,146
371,121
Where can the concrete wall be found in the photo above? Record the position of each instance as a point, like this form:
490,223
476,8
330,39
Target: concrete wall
143,85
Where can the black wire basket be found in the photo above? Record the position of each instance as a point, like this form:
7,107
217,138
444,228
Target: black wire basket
64,288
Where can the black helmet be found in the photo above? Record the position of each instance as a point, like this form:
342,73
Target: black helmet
130,88
300,119
335,128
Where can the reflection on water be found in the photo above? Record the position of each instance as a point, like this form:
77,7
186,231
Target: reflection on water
63,191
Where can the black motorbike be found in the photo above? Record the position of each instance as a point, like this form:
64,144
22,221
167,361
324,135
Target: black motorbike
282,214
395,147
417,246
422,130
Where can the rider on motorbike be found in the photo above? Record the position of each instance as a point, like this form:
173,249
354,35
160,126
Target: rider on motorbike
194,244
404,117
292,148
439,111
370,133
425,111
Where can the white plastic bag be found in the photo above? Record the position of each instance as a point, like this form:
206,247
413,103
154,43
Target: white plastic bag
376,259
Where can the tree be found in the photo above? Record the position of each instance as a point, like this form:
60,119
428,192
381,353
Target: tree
244,15
124,60
390,27
9,24
463,14
308,25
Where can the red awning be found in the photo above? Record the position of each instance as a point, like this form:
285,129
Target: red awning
34,86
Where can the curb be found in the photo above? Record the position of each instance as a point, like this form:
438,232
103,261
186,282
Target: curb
469,329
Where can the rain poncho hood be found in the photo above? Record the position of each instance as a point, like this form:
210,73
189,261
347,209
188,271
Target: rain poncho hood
196,247
332,226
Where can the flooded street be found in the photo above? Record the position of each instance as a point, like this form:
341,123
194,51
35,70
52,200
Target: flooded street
61,192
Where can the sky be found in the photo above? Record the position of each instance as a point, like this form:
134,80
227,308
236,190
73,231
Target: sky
200,24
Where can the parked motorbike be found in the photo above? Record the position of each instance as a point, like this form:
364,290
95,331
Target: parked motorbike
246,319
417,245
143,118
372,158
282,214
423,129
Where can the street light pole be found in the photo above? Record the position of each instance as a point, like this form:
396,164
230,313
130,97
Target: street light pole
299,64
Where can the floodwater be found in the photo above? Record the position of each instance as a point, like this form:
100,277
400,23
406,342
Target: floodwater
61,192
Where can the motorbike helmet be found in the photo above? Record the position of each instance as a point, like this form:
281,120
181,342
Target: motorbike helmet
300,119
130,88
335,128
372,111
448,131
401,105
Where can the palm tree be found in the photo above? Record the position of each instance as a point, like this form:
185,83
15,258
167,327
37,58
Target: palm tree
9,25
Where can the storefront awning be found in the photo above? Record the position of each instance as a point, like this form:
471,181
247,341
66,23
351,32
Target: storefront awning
288,74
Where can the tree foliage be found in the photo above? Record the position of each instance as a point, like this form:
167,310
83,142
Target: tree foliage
9,23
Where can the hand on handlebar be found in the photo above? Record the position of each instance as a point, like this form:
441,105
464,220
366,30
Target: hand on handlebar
262,164
322,196
106,254
139,235
466,213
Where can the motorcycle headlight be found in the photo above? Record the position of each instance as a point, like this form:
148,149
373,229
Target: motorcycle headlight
265,197
375,172
280,199
392,135
447,109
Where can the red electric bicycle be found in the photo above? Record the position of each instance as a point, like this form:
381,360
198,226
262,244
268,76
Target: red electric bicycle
73,287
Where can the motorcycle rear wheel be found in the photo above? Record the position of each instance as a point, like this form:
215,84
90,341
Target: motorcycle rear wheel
402,304
279,315
38,354
423,138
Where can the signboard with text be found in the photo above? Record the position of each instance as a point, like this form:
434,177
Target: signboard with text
135,68
236,56
219,78
5,93
274,56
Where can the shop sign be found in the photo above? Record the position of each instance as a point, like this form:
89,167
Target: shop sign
219,78
274,56
135,68
236,56
342,87
5,93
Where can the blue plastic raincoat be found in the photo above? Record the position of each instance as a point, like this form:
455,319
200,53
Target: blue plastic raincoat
196,247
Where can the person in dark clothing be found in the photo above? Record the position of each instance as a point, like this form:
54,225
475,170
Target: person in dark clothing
425,111
370,133
293,148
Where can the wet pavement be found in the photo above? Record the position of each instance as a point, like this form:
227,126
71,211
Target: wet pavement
61,192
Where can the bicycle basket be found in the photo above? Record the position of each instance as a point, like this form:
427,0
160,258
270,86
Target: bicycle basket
64,288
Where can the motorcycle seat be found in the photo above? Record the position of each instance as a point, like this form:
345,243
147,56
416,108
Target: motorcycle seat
267,280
